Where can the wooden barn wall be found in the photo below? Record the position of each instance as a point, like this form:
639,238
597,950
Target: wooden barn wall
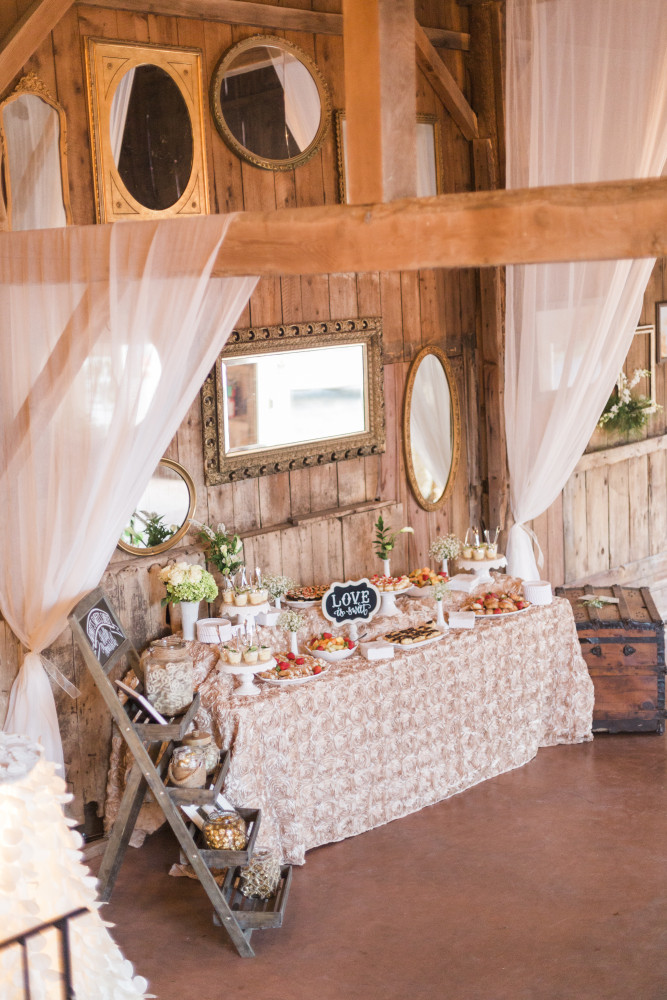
611,518
431,307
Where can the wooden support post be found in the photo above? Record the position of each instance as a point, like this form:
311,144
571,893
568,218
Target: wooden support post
27,34
380,100
444,84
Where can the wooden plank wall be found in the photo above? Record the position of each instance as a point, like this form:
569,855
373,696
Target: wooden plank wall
431,307
612,516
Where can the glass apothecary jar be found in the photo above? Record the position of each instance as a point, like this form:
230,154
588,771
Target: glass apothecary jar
168,675
225,831
204,742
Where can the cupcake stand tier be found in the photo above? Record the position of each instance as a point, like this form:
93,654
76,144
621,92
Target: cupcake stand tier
481,567
246,674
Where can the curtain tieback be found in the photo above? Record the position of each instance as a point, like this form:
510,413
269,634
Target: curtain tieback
58,676
533,537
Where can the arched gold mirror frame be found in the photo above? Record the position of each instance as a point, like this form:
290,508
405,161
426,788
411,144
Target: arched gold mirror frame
216,108
455,423
106,64
31,84
154,550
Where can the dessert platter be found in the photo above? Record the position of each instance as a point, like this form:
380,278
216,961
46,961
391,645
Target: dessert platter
332,648
415,636
390,588
304,597
497,605
291,669
422,580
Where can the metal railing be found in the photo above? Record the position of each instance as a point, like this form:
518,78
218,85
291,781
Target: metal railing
60,924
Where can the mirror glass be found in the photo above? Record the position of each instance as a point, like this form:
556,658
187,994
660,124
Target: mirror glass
430,429
151,136
269,102
292,397
163,514
34,174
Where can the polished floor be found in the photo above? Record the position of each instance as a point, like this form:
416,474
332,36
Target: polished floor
547,883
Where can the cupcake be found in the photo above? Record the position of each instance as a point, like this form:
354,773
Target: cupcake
241,598
479,552
233,655
466,552
265,653
228,597
250,655
256,596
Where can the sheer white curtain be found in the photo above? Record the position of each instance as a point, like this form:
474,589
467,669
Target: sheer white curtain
118,114
96,374
32,134
302,99
586,101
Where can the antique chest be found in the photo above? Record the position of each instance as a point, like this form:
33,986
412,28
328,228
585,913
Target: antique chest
624,647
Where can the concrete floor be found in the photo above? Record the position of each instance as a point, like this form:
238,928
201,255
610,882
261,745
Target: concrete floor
547,883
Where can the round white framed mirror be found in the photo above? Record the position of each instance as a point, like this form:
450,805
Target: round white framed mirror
431,428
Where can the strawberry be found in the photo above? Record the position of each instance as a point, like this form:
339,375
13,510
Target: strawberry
497,611
300,660
317,669
321,646
327,635
291,656
350,644
282,665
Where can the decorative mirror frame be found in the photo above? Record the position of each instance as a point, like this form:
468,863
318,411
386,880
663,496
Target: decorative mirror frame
154,550
106,63
222,127
31,84
422,119
221,468
456,427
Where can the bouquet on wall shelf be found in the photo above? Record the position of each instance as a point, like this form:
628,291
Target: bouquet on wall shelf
624,411
223,550
187,582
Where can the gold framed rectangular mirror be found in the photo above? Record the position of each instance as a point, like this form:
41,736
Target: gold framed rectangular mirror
290,397
146,118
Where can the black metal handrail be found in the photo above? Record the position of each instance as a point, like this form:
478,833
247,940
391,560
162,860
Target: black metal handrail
61,924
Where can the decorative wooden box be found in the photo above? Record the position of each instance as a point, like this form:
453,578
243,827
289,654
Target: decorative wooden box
624,648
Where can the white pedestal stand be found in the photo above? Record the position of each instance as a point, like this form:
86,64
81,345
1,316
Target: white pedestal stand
246,674
248,611
440,619
388,603
481,567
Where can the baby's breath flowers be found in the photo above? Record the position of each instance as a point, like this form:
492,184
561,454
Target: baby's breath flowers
291,621
445,547
277,586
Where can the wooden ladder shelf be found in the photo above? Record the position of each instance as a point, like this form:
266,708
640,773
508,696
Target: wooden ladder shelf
104,645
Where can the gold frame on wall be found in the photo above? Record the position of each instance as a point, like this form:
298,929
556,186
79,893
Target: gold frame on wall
106,63
222,468
31,84
216,109
456,427
154,550
422,119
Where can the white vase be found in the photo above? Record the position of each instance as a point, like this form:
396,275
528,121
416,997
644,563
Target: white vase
440,620
386,568
276,603
293,643
443,566
189,616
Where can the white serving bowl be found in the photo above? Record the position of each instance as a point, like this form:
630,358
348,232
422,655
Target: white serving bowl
339,654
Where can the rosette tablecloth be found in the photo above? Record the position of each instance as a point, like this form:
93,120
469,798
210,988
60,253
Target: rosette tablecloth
369,742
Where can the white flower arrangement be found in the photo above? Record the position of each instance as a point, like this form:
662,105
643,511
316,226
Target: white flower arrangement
440,588
445,547
291,621
225,551
187,582
277,585
623,411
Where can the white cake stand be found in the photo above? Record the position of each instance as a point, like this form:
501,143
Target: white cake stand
246,674
481,567
388,601
247,611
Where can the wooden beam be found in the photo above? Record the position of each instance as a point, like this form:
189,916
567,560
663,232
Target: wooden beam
610,221
260,15
444,84
444,39
621,453
27,35
380,100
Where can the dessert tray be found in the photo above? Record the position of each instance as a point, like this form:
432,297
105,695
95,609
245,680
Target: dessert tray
335,647
304,597
494,605
415,636
391,584
302,669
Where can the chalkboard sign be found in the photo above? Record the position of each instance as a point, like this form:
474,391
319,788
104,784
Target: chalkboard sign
102,631
352,601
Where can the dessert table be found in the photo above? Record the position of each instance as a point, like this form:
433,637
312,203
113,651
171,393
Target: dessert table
368,742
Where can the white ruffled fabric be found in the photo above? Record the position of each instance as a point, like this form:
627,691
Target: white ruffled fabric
42,877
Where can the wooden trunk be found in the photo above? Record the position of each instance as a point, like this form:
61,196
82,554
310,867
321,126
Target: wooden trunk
624,647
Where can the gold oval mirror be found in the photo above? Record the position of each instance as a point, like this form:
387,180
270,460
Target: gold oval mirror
164,512
431,428
270,102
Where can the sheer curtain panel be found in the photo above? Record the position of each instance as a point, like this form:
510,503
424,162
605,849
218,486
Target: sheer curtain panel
586,101
108,334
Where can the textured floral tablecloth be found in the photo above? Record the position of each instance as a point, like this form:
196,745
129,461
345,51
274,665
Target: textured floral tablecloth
368,742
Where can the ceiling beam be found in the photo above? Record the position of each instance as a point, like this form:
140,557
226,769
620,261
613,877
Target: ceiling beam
380,100
610,221
27,35
444,84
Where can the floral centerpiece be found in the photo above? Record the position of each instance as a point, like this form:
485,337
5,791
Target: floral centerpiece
444,548
223,550
385,540
625,411
187,584
292,621
277,586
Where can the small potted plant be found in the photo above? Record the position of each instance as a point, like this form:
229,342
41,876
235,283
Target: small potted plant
188,584
385,540
291,622
277,587
444,548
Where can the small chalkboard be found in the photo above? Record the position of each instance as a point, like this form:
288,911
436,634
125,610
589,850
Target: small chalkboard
352,601
102,631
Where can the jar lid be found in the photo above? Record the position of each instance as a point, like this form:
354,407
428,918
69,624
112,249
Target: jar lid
197,738
170,642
